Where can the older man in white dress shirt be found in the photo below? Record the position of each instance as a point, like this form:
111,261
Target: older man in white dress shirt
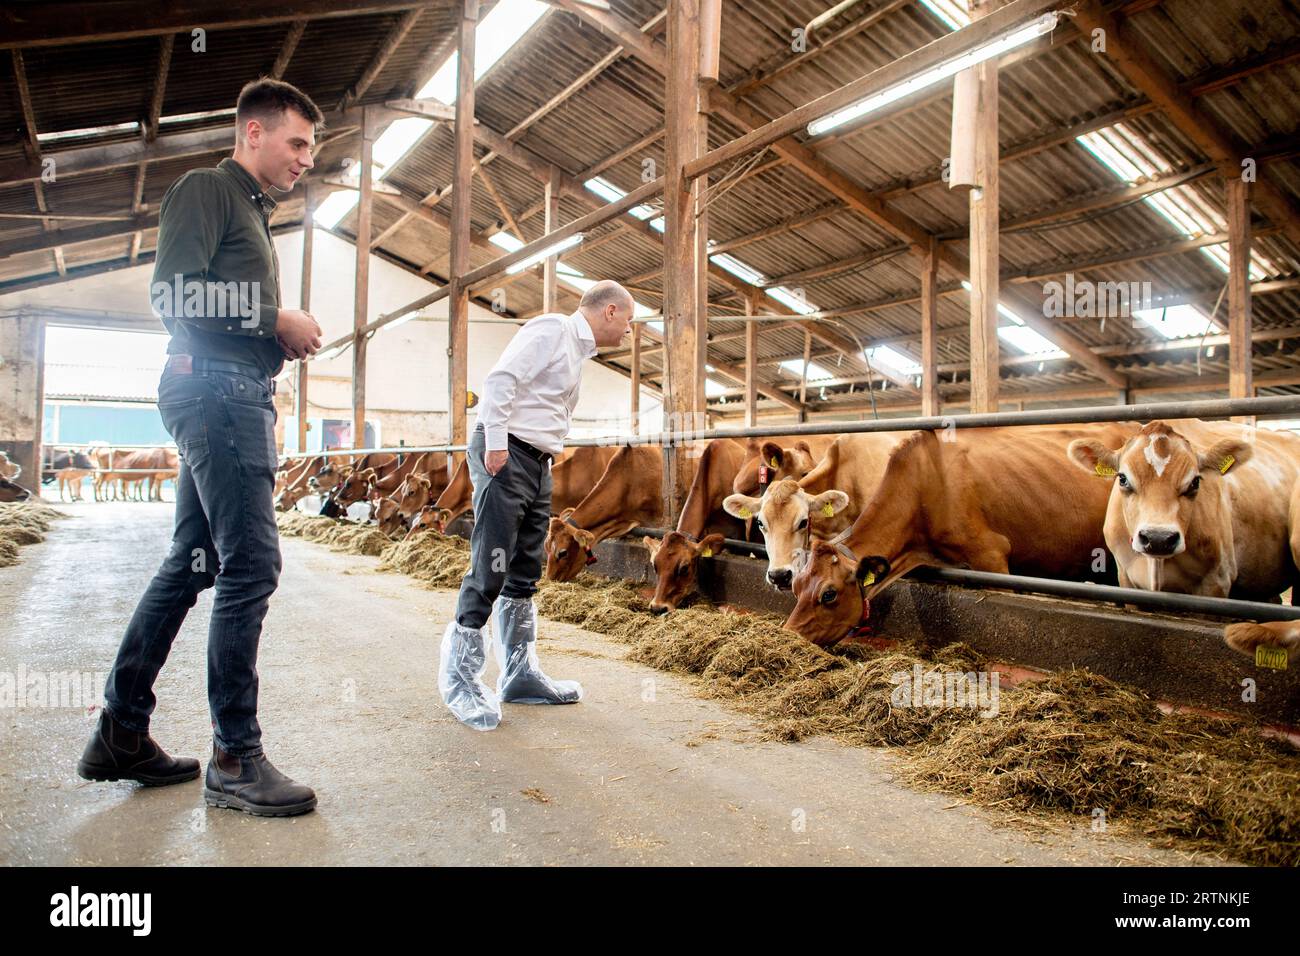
524,414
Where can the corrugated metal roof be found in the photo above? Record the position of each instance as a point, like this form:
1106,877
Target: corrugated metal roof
1196,41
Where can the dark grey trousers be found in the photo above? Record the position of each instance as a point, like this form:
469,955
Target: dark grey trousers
512,510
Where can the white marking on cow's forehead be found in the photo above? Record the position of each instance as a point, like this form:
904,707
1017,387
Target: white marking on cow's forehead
1154,455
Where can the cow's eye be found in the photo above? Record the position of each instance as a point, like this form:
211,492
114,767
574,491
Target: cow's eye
803,523
1123,482
829,596
1192,488
562,552
683,570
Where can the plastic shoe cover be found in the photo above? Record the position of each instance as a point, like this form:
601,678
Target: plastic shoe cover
460,678
514,627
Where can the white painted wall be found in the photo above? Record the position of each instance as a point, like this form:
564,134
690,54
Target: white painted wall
406,380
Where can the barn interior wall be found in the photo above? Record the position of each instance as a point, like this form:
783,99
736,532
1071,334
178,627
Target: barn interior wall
22,360
406,387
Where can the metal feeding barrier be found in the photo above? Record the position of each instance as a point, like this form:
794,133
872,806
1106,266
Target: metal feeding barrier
1152,600
1278,405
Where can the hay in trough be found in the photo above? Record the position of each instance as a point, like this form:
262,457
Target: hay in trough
1078,742
438,560
337,534
23,523
1071,743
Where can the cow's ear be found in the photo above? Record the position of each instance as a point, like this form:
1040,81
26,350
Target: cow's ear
711,544
872,570
828,504
741,506
652,545
566,512
773,454
1227,454
803,446
1092,456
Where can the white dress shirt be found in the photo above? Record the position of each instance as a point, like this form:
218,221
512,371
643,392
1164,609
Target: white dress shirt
532,390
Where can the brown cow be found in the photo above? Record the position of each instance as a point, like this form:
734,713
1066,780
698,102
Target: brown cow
1205,508
676,558
629,493
295,482
9,469
10,491
995,499
821,504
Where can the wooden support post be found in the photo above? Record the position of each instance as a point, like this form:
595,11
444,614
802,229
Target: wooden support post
803,376
929,313
1240,379
304,303
462,171
361,289
984,237
753,303
551,202
636,378
683,324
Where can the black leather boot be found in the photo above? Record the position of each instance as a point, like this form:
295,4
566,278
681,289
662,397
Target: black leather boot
251,784
116,753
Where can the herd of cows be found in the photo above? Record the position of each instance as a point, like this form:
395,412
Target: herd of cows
1187,506
116,474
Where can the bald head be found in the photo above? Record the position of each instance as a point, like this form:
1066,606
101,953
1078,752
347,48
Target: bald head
608,308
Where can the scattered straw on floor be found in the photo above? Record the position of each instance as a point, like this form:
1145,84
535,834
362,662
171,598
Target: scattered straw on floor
23,523
1073,743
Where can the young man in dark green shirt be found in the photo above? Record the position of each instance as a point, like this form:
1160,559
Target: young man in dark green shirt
216,289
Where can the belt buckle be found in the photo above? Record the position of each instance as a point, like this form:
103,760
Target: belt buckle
181,364
272,386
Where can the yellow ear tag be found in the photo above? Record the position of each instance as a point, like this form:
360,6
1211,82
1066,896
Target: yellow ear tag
706,553
746,513
870,578
1228,462
1272,657
828,510
1105,470
776,463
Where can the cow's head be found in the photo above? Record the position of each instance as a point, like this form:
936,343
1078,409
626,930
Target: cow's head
414,495
676,563
829,590
12,492
426,520
568,550
1158,478
776,463
785,515
354,487
441,518
388,515
328,478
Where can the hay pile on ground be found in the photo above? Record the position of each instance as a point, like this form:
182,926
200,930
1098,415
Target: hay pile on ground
438,560
337,534
1072,743
1078,742
23,523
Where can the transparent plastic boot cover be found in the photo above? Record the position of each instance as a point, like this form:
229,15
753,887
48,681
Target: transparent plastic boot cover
514,628
460,678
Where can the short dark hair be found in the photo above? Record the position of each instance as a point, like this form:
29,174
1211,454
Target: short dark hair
266,100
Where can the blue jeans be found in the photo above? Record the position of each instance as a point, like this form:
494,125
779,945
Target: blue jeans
225,535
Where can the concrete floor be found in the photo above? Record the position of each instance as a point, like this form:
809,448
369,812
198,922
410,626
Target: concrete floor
349,705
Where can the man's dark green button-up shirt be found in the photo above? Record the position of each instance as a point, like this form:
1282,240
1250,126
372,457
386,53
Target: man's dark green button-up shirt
216,277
